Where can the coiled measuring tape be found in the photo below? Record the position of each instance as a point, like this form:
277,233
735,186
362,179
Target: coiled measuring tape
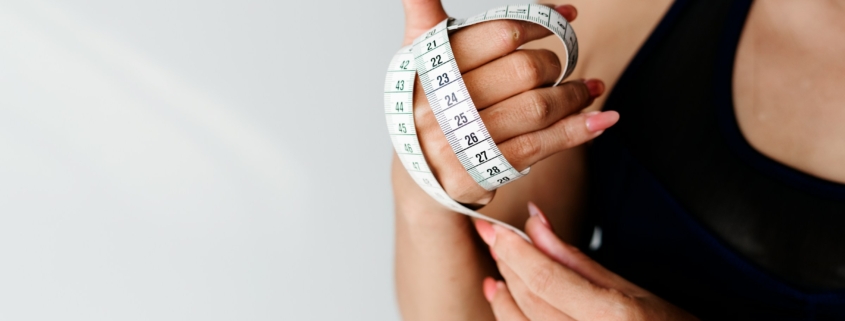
430,56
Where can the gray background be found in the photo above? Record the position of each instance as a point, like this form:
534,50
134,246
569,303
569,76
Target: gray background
196,160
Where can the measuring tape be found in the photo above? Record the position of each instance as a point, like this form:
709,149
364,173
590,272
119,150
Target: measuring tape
430,56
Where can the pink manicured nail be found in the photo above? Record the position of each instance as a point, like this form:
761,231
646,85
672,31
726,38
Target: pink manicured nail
485,230
595,86
490,287
599,121
533,210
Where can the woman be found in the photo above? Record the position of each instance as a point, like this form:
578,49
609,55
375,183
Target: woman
720,194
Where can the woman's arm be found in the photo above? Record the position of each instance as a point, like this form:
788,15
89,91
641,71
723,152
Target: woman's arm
439,266
439,263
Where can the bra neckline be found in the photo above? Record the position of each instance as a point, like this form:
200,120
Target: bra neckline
729,126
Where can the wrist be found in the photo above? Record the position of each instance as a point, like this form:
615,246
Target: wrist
415,207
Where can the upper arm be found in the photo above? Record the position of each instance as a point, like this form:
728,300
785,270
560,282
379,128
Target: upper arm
609,34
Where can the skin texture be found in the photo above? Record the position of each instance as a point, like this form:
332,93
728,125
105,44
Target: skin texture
552,280
788,110
439,263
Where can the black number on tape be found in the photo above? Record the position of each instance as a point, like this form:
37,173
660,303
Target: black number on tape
461,119
443,79
435,61
482,156
493,171
471,139
467,132
451,99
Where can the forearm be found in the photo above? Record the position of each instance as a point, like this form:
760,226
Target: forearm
439,264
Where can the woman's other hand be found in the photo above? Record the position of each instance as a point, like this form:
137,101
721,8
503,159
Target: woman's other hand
552,280
527,119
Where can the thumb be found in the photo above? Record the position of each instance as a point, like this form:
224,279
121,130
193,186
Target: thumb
421,15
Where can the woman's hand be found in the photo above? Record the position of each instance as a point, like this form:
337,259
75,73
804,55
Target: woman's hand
527,119
555,281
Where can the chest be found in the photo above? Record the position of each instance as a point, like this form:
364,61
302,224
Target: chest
789,88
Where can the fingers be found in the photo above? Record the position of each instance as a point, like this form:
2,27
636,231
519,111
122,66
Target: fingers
547,242
515,73
525,150
568,11
532,306
477,45
421,15
534,110
504,307
559,286
473,46
541,287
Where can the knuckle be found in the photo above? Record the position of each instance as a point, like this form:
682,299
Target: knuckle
454,187
527,68
510,34
541,281
526,147
454,180
620,307
567,135
540,109
577,94
423,116
551,58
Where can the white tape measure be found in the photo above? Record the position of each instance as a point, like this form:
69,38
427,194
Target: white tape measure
430,56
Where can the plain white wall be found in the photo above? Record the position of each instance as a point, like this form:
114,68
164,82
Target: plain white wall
197,160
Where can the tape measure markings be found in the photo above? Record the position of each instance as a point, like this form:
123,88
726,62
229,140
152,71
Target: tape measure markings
456,113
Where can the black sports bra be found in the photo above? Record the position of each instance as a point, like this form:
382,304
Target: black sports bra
678,122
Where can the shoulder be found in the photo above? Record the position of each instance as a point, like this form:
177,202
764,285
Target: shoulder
609,34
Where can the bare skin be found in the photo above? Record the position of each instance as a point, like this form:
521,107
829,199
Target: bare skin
788,84
789,111
552,280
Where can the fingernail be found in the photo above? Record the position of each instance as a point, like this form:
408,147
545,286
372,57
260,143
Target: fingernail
493,254
599,121
500,285
533,210
485,230
595,87
490,287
